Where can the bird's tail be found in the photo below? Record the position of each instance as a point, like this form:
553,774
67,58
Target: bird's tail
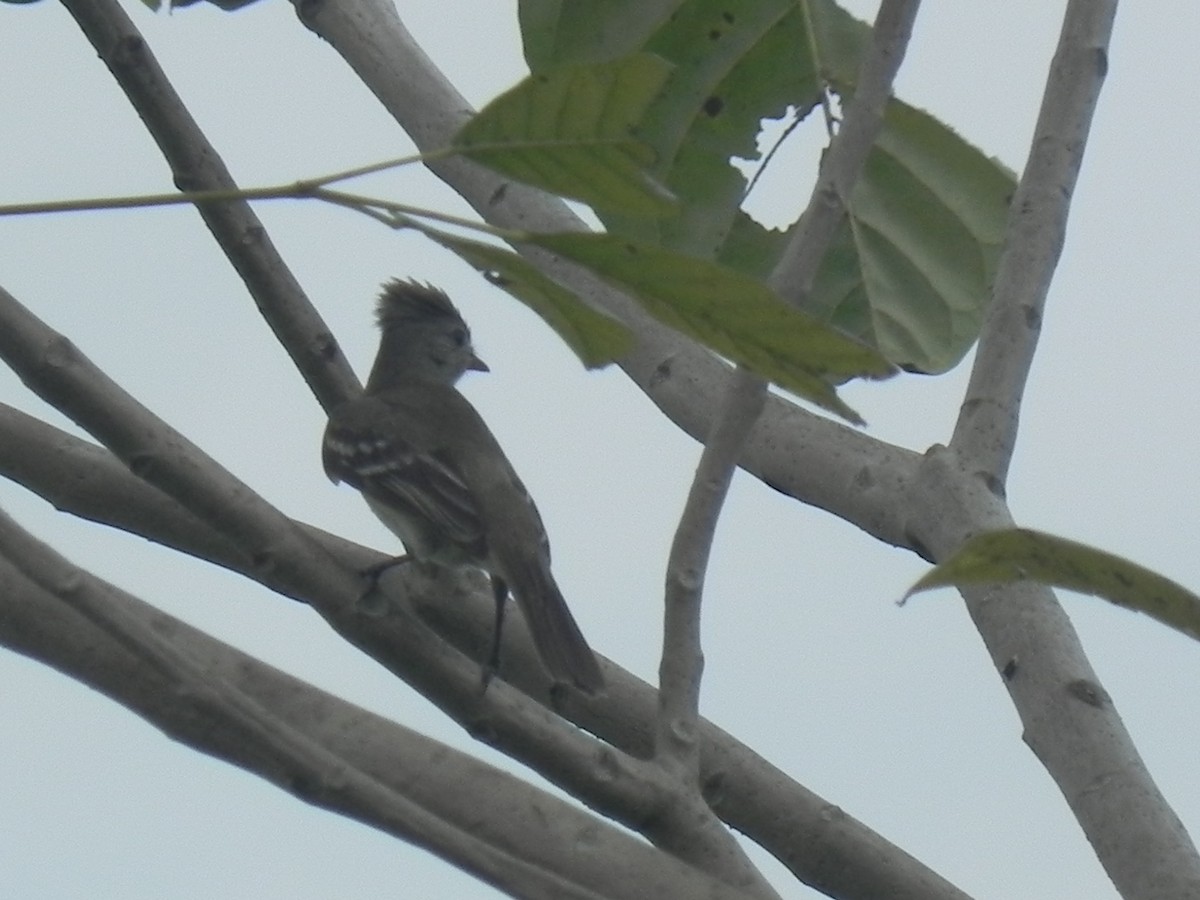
559,642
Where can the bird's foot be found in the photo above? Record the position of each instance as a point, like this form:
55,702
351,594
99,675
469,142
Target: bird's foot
372,600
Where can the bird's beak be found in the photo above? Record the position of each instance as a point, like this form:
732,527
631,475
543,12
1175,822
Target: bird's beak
478,364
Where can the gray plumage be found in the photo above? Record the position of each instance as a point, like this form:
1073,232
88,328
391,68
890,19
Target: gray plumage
432,471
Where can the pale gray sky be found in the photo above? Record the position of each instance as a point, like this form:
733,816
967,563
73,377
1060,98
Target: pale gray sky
894,714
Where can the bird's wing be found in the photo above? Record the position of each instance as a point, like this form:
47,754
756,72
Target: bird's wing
363,447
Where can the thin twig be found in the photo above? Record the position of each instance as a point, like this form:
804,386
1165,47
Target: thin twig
677,746
304,189
792,278
986,431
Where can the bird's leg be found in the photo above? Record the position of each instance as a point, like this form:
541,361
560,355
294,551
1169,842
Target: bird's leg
500,595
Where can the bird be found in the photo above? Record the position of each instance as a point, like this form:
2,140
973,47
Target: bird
433,473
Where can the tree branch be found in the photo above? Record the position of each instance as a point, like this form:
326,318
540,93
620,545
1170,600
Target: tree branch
1070,722
986,432
324,751
677,735
55,370
197,166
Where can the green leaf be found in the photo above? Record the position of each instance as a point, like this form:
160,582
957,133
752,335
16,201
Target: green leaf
734,314
567,32
571,131
734,66
911,272
594,337
1019,554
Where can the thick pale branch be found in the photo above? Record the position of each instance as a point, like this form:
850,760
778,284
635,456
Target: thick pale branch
1070,722
325,751
55,370
88,481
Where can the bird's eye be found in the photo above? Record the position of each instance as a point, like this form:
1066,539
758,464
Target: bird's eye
459,336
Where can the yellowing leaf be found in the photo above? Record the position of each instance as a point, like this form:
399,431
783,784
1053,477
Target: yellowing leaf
1021,554
737,316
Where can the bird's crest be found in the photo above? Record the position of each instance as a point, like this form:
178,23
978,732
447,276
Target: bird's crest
407,301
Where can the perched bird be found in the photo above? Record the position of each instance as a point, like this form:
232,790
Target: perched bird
431,470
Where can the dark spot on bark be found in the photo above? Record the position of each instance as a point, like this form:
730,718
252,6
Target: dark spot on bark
129,51
662,371
326,346
1089,692
713,788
